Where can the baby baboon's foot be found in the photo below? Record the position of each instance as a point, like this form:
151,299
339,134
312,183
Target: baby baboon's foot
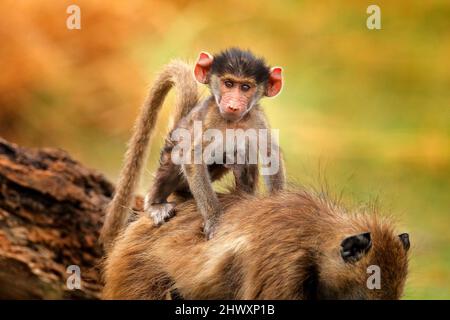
161,212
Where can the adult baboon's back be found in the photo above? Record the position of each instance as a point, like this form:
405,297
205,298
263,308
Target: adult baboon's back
294,245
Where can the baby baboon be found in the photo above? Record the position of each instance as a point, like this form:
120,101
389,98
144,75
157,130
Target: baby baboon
294,245
237,81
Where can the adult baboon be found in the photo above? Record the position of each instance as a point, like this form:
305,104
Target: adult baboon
292,245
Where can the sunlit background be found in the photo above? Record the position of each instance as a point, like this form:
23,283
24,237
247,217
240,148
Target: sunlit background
368,109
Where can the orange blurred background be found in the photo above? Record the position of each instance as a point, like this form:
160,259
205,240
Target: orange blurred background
370,109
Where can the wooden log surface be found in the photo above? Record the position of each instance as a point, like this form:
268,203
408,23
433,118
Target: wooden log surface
51,211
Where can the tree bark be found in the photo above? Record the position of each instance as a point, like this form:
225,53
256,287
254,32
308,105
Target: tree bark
51,212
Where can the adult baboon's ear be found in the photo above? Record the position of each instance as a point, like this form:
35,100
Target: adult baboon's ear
404,238
355,247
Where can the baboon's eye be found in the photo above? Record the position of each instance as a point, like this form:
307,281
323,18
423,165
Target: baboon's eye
228,83
245,87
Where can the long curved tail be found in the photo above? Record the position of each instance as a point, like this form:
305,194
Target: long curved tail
176,74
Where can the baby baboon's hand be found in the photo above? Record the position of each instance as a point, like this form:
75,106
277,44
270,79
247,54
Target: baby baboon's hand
161,212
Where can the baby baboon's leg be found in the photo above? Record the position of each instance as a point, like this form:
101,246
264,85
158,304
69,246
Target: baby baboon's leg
246,177
168,179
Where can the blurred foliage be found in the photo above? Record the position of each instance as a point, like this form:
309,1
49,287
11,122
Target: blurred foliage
370,110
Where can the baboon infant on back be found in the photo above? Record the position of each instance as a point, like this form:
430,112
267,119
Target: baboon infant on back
237,81
287,245
293,245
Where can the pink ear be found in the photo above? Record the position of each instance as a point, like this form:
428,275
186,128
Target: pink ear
275,82
202,67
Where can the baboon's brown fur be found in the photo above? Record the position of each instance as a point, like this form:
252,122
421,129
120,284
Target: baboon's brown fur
287,248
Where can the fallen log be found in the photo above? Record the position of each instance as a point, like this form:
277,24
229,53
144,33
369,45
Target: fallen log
51,212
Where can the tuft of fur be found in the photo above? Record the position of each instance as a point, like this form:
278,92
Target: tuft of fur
240,63
176,74
287,248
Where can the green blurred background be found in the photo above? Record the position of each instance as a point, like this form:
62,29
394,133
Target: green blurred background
368,109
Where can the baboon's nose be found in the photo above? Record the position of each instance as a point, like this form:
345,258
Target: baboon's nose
232,108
